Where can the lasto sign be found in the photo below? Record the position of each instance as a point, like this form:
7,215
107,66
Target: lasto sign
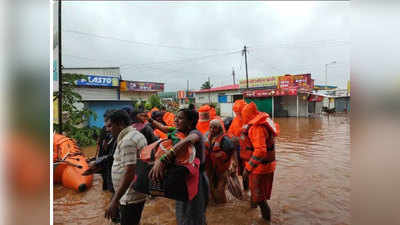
98,81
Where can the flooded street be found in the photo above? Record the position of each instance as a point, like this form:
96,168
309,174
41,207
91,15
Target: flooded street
311,186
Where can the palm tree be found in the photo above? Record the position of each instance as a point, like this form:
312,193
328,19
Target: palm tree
206,85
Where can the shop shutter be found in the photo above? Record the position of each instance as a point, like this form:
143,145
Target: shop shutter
263,104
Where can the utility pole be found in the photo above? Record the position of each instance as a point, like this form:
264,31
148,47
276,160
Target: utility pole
187,90
326,73
233,75
326,76
60,83
245,61
209,93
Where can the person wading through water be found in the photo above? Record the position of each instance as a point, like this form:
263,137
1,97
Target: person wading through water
219,149
187,212
260,147
129,142
105,159
234,132
204,119
105,147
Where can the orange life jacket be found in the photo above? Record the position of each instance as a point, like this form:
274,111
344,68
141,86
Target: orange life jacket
246,148
155,150
259,162
158,133
213,113
236,127
261,165
169,119
263,119
221,163
203,126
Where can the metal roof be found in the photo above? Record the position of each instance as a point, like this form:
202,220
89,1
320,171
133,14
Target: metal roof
222,88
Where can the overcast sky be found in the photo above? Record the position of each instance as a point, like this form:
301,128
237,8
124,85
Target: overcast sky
173,42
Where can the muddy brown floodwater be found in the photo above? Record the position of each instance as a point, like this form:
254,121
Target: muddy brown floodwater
311,186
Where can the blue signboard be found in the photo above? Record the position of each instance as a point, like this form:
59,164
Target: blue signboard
222,99
104,81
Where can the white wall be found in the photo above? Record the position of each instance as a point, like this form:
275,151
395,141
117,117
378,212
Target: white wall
226,109
202,98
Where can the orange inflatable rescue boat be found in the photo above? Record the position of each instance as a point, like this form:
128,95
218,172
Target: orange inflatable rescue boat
69,164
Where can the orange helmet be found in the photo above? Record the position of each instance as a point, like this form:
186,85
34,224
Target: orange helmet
204,108
238,106
249,112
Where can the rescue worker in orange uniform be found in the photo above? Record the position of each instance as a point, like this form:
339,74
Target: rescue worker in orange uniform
206,114
234,133
213,113
204,119
258,137
219,149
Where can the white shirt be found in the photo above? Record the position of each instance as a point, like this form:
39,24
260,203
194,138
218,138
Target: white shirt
129,143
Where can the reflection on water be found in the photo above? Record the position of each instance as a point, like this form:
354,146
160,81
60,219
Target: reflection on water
311,186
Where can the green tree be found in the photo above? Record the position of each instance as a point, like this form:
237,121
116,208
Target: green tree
74,117
147,106
206,85
155,101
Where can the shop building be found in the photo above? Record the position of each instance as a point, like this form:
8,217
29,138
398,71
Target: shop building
281,96
139,90
185,98
98,83
223,97
315,103
339,99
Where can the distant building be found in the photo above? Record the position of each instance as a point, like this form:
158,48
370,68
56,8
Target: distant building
338,99
324,87
223,94
281,96
168,96
223,97
99,89
185,98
